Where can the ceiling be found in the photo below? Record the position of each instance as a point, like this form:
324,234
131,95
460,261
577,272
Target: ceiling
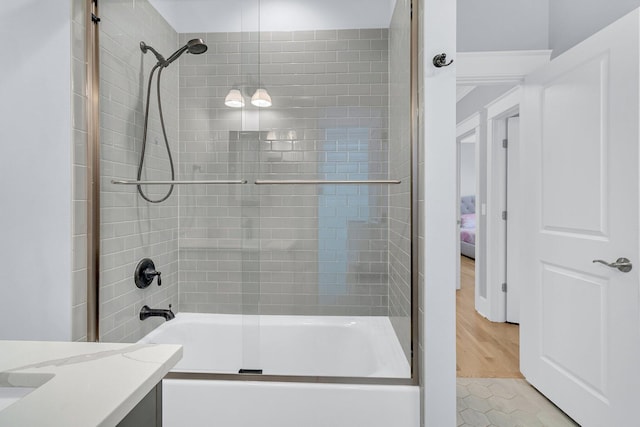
190,16
462,91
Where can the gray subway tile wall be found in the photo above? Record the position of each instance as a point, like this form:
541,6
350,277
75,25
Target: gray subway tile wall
400,161
132,229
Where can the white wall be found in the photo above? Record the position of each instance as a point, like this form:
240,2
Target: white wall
192,16
503,24
35,170
467,168
572,21
437,233
490,25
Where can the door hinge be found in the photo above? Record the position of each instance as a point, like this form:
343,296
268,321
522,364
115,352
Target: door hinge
504,215
94,18
504,287
505,143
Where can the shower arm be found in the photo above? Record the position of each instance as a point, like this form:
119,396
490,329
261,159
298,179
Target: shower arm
161,61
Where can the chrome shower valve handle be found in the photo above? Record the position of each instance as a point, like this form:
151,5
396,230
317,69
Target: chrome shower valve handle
145,272
151,273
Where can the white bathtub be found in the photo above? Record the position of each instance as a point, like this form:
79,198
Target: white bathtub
328,346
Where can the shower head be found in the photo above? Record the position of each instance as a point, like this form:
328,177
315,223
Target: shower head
196,46
193,46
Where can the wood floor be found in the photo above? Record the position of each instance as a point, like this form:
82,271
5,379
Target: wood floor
485,349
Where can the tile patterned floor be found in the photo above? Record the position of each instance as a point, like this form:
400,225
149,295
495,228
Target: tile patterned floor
498,402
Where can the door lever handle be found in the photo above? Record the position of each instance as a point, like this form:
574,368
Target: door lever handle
622,264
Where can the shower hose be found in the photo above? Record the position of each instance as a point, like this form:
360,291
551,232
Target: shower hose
144,137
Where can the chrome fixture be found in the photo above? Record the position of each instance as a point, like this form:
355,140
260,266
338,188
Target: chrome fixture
324,181
146,312
622,264
145,47
194,46
440,61
125,182
259,182
145,272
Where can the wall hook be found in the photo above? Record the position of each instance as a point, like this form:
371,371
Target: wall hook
440,61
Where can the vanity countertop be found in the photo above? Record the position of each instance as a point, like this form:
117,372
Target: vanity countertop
80,384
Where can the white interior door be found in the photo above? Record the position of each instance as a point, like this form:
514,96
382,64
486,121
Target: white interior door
499,269
580,338
512,243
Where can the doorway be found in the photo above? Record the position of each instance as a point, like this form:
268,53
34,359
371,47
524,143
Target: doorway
468,137
487,346
487,304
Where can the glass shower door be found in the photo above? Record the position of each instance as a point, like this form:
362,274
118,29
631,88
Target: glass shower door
219,225
333,251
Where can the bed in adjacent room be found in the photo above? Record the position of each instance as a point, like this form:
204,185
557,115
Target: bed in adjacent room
468,226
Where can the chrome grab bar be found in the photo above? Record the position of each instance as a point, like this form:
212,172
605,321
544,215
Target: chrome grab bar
123,182
262,182
323,181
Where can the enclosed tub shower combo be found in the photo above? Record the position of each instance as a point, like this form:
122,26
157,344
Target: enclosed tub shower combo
257,204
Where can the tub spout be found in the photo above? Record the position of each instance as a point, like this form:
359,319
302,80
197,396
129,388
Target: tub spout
151,312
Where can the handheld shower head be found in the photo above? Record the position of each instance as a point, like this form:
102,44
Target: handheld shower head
193,46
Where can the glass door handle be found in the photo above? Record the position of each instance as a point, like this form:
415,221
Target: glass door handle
622,264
